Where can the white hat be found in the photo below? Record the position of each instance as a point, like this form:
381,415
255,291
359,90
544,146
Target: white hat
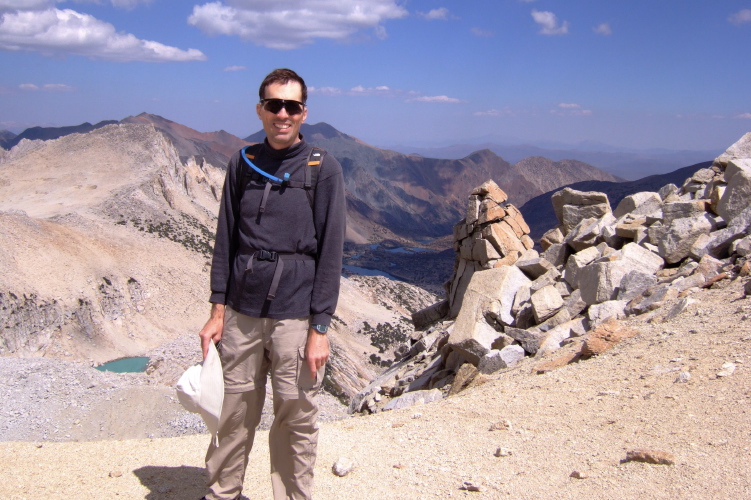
201,390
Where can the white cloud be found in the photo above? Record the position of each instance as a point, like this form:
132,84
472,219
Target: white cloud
50,87
128,4
745,116
381,91
292,24
437,98
440,14
603,29
496,112
549,24
380,32
364,90
359,90
235,68
57,87
570,109
328,91
482,33
67,32
740,17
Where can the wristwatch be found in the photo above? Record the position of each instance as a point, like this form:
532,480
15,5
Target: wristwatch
322,329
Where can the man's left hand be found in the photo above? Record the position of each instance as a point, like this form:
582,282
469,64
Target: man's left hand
316,351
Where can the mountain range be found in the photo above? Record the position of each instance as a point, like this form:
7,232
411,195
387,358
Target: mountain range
627,163
405,199
408,198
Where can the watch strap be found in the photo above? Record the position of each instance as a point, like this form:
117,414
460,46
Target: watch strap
322,329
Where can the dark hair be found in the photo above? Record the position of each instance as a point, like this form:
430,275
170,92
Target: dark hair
283,76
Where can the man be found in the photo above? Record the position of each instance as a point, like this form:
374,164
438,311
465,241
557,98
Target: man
274,287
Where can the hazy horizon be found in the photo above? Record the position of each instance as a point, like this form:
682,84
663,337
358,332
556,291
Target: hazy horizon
584,145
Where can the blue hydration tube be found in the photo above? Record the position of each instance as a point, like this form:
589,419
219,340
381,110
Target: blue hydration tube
262,172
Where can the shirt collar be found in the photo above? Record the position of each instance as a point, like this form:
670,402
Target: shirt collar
281,154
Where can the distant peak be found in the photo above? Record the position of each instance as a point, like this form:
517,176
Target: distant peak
151,117
481,154
322,129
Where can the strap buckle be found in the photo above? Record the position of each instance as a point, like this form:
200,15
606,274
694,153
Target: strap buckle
266,255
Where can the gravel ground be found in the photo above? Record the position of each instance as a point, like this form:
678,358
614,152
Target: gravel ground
50,400
679,389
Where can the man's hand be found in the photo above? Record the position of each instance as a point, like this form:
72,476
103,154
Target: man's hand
212,330
316,351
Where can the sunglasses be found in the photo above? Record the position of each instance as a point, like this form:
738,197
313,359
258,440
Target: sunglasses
275,105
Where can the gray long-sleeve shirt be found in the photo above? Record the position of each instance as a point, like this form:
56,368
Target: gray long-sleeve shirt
288,225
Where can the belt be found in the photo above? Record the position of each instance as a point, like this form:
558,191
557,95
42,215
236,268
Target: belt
279,258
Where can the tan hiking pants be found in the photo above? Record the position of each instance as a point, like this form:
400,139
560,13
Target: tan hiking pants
250,349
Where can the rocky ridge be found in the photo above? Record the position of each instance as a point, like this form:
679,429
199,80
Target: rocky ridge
83,219
507,301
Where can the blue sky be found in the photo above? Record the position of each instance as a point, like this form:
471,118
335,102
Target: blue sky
631,73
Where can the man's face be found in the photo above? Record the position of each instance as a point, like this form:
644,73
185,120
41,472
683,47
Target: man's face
282,129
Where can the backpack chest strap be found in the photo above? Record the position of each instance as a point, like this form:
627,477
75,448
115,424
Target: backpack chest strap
279,258
310,177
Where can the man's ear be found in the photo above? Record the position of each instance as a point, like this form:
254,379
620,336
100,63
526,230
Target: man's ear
258,111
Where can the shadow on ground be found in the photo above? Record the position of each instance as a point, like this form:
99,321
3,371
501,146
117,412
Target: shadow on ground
173,483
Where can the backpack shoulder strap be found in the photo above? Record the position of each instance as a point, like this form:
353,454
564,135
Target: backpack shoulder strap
244,174
312,169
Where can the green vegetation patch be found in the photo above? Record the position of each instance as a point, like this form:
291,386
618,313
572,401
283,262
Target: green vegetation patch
189,232
384,335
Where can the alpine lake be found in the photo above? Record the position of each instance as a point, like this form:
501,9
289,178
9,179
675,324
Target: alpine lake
125,365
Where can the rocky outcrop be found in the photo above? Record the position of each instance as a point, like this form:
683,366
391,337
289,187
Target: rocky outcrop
507,301
104,236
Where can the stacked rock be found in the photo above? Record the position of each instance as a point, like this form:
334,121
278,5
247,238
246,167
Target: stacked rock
492,235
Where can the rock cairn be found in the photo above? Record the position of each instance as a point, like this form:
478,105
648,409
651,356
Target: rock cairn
508,301
492,235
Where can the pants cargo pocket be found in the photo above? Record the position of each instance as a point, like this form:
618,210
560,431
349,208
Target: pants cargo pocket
304,380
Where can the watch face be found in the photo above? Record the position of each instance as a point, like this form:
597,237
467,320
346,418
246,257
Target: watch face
320,328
